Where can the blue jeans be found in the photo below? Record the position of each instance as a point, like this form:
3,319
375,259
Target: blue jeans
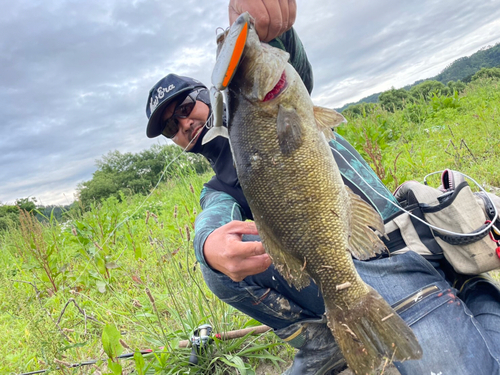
457,336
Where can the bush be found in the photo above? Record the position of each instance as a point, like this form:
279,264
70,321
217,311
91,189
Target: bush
137,173
487,73
360,110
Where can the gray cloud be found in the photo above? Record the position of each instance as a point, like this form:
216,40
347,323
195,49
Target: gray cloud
75,75
370,46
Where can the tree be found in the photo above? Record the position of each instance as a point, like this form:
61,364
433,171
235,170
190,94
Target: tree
394,99
26,204
9,216
137,173
361,109
457,86
487,73
426,89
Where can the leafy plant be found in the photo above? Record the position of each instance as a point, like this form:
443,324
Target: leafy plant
440,102
112,347
35,249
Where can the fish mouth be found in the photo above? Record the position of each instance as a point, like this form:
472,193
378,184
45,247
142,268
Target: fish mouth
278,89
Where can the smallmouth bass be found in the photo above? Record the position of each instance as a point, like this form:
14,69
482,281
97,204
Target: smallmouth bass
310,223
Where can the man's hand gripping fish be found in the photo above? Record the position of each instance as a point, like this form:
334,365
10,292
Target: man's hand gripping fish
309,222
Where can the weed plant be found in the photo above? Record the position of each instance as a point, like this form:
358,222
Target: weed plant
460,132
129,265
121,277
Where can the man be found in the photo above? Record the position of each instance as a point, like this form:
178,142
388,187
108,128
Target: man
456,337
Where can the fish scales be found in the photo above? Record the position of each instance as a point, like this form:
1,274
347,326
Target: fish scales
313,193
309,222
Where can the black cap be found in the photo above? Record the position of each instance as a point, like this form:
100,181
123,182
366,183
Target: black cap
165,90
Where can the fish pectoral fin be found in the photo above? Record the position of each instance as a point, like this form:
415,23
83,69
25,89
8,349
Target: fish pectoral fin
289,128
292,270
363,241
326,119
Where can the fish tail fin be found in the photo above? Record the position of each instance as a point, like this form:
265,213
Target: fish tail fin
215,132
372,330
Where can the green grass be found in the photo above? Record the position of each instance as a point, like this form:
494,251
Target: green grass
130,263
460,133
108,273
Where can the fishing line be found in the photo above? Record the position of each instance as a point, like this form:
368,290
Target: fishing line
207,124
487,228
161,178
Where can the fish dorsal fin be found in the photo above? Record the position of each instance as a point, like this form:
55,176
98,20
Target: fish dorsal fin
363,241
292,270
289,128
326,119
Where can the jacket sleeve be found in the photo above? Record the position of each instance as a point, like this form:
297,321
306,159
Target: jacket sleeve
290,42
219,208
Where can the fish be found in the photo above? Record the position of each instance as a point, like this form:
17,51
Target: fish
309,222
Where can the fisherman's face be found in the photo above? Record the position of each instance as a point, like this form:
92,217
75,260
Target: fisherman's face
190,126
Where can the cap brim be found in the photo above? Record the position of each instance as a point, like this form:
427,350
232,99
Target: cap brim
154,127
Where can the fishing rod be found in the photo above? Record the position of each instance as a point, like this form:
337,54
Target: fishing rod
201,337
91,362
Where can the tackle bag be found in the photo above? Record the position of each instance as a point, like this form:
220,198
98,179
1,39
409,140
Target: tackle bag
469,238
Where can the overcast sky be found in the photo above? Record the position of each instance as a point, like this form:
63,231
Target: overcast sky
75,74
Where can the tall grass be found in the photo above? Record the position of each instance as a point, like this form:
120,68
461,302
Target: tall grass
460,132
130,264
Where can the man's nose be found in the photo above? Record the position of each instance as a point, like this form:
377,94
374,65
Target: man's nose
184,123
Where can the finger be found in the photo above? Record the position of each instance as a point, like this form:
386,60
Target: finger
284,16
251,266
256,8
241,227
292,13
233,12
249,249
257,264
269,23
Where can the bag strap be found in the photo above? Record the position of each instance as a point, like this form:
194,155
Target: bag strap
488,204
460,240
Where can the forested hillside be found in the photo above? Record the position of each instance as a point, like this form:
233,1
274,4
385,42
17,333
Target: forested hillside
462,69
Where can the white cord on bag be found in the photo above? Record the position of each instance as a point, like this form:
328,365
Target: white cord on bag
487,228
